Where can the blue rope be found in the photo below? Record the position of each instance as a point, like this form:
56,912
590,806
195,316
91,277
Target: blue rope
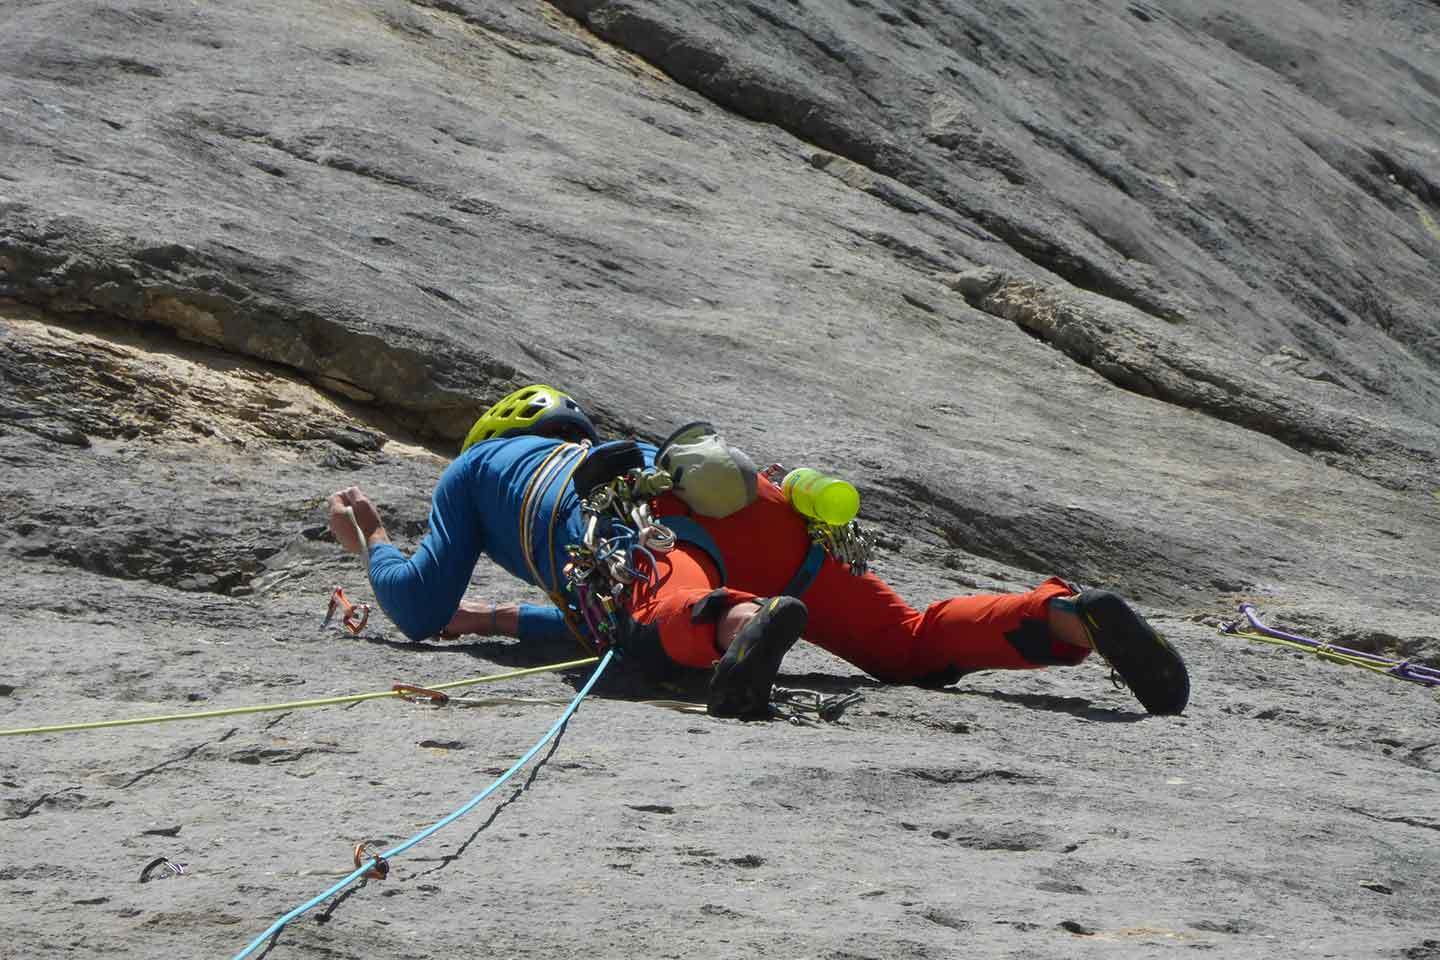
474,801
653,577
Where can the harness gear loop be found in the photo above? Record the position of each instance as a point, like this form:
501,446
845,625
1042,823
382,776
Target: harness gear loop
381,868
602,566
354,617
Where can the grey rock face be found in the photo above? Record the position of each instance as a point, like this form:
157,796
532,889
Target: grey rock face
1138,296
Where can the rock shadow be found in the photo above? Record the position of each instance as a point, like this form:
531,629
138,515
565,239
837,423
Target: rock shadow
1075,706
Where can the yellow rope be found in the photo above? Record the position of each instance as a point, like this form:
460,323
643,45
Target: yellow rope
548,471
294,704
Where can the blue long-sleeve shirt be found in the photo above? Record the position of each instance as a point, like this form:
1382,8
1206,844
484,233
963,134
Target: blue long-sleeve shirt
476,509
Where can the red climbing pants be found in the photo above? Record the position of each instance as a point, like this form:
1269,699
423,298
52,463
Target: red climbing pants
859,619
685,576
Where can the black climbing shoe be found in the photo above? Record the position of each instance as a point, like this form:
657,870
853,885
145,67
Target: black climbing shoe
740,685
1150,667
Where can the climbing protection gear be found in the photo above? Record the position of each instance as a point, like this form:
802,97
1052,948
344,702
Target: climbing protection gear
414,693
1250,627
711,477
354,615
362,869
1149,666
617,547
536,410
377,867
848,544
161,868
741,682
799,706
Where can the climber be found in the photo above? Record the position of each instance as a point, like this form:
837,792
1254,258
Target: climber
740,586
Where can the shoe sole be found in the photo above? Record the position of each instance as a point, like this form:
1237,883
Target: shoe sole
1150,667
741,683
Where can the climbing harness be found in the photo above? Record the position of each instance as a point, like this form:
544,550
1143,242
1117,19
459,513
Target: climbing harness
1250,627
353,616
621,536
296,704
364,866
617,548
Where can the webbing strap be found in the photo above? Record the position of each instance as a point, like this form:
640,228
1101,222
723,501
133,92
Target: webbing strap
687,529
809,570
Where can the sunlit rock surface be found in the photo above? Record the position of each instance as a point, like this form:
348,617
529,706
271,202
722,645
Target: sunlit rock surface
1142,297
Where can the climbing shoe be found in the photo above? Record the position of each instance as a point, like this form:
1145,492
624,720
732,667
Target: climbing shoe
740,686
1150,667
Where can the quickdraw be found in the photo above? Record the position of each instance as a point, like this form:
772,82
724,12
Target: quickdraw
617,548
354,616
161,868
799,706
416,694
1251,627
379,867
849,544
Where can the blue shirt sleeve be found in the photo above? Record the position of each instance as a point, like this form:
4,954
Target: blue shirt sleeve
422,592
543,623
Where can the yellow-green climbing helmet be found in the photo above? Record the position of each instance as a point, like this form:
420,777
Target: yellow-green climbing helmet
536,410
